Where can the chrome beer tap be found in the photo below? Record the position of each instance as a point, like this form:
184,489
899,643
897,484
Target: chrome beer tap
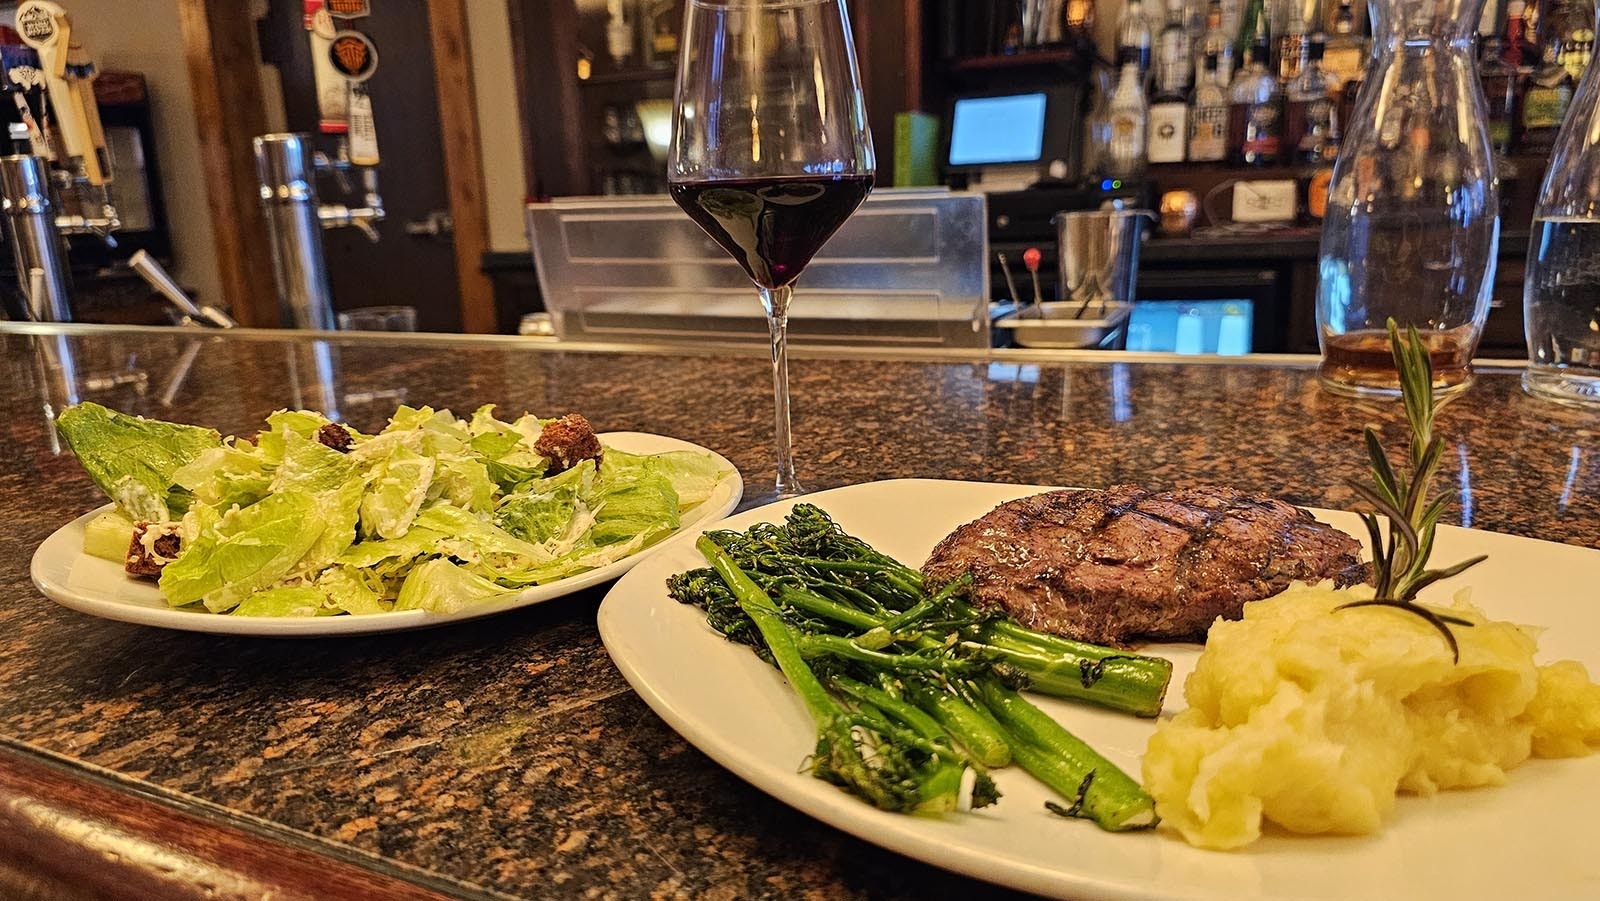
46,195
287,168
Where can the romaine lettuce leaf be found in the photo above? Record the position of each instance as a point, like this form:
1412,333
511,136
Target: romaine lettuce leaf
415,542
544,510
234,473
352,590
642,504
244,551
132,459
282,601
463,482
694,475
506,453
439,586
398,487
581,559
474,540
309,465
284,423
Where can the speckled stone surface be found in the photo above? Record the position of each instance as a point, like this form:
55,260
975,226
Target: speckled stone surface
509,754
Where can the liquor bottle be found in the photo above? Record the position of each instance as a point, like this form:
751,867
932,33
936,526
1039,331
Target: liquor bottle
1174,67
1134,38
1077,24
1128,119
658,43
619,33
1549,93
1577,39
1214,41
1311,127
1208,120
1169,125
1255,120
1194,21
1518,50
1097,125
1293,44
1502,87
1254,25
1344,56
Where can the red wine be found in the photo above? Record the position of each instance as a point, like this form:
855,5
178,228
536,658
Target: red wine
773,226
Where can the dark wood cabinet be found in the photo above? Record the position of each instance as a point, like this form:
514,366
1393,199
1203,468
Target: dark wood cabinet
568,149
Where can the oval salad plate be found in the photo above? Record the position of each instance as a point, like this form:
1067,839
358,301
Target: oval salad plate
1532,838
99,587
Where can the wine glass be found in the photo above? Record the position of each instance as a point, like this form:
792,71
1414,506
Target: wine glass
770,149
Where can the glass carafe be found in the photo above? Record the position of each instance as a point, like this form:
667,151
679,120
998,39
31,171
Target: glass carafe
1561,296
1413,208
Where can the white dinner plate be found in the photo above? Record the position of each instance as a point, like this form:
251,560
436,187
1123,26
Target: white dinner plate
99,587
1533,838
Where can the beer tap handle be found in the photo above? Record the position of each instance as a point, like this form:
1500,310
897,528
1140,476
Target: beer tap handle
44,27
363,128
81,71
332,95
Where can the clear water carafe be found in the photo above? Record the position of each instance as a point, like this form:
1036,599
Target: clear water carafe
1413,208
1561,294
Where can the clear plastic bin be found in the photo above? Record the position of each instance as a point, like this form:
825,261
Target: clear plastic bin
907,269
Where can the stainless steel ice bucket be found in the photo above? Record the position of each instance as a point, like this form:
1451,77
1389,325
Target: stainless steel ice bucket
1099,254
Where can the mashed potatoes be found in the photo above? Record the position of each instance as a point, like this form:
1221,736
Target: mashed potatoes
1314,719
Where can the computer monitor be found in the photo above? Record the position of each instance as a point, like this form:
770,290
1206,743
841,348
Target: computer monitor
990,131
1030,128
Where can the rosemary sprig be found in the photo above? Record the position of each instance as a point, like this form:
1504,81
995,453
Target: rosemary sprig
1400,559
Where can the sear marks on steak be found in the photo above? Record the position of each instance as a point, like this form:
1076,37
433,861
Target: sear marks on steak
1125,564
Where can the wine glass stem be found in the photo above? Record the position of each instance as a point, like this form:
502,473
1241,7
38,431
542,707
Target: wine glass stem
776,302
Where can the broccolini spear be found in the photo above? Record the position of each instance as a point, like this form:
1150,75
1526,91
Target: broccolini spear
923,674
898,772
812,565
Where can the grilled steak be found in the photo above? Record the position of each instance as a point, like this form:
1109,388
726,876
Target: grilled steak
1115,566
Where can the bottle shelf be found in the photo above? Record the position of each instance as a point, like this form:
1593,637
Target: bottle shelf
1047,56
632,76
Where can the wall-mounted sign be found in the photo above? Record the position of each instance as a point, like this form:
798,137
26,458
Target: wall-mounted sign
353,55
349,9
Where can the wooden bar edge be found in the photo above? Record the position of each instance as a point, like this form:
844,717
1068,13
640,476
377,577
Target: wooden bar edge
70,832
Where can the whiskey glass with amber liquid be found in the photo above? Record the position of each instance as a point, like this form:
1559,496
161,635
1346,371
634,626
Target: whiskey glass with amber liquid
1413,213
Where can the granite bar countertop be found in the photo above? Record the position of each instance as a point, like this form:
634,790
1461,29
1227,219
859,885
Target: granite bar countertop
507,755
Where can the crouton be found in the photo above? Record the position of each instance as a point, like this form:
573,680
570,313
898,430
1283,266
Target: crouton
147,554
568,441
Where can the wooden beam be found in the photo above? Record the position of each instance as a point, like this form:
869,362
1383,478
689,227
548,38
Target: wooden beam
225,78
463,161
914,48
882,53
544,44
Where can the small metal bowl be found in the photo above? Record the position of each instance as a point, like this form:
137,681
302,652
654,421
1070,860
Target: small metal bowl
1059,324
